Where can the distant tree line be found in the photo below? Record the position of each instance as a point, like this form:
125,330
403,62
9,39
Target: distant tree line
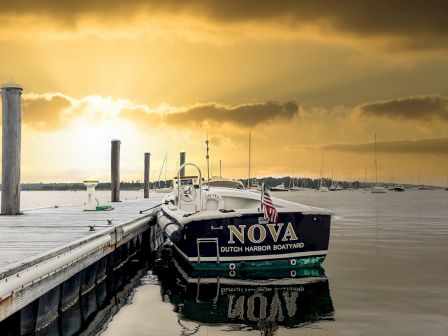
315,183
304,182
269,181
132,185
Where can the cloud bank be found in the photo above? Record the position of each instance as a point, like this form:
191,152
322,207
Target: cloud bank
45,112
55,111
247,115
413,24
437,146
411,108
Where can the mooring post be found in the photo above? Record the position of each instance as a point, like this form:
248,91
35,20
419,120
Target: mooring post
146,175
115,171
12,124
182,162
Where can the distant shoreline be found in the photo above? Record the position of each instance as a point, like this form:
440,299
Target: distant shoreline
270,181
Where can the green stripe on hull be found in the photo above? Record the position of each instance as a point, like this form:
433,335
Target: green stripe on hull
265,264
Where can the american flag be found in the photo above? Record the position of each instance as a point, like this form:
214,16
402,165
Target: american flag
270,212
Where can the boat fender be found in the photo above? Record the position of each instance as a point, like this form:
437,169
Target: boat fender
174,232
171,229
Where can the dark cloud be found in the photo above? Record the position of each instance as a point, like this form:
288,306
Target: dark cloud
243,115
418,24
45,113
410,108
438,146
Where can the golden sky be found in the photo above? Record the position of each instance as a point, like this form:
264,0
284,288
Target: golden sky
312,79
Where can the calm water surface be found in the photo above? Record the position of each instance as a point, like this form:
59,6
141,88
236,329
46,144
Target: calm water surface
386,274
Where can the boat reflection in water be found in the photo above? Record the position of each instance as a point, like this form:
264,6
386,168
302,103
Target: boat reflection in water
263,301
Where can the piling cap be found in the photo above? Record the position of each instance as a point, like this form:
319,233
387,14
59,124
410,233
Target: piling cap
90,180
11,85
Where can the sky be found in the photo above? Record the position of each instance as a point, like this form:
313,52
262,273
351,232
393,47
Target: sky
313,81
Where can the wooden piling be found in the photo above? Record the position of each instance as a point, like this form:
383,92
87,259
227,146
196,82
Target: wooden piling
11,121
146,175
182,161
115,171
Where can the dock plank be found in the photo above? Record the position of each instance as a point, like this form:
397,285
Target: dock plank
44,247
40,230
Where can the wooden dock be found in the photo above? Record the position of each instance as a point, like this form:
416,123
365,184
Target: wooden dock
44,247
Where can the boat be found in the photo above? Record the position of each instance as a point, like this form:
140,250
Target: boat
224,228
216,181
334,186
256,300
399,188
322,188
254,185
377,189
292,184
280,187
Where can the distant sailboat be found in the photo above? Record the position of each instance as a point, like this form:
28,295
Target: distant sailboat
280,187
292,183
165,188
295,187
377,189
333,186
322,188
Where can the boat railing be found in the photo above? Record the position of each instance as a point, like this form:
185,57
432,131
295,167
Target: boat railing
179,186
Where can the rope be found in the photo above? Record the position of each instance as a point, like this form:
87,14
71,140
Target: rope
164,203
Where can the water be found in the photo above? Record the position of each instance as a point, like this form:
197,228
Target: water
36,199
386,274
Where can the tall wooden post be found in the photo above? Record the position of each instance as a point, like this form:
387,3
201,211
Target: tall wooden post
182,161
115,171
146,175
11,136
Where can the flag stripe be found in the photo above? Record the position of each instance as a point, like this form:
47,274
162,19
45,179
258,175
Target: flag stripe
270,212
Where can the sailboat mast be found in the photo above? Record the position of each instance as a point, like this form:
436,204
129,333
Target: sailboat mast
322,172
376,165
161,170
208,159
365,177
250,139
166,165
